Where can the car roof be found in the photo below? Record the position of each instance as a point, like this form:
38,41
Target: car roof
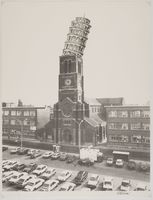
126,180
65,171
119,160
50,169
108,178
141,185
66,184
41,165
94,175
50,181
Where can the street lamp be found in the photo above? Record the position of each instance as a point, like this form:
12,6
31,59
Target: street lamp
79,130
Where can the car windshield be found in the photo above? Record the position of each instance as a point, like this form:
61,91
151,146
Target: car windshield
93,178
107,182
14,176
125,184
62,189
30,183
21,180
39,168
46,185
109,159
48,172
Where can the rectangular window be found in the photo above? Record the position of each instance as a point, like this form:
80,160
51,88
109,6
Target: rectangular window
26,122
32,123
146,114
26,113
122,114
32,113
136,139
135,113
6,121
145,140
111,126
125,126
6,112
136,126
112,114
13,112
19,112
12,121
122,139
146,126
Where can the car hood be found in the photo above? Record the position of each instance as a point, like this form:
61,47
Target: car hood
92,182
125,188
61,177
109,186
28,188
13,180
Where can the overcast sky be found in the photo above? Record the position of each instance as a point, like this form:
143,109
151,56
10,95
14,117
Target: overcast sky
117,58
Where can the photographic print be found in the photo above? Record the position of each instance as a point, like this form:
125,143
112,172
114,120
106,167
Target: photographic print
75,87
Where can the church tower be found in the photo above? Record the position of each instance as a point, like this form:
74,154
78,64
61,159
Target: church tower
71,109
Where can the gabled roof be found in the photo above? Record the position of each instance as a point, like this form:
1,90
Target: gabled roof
95,120
92,101
110,101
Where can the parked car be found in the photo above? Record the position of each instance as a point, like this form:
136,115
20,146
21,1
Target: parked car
49,185
70,159
40,169
18,167
81,176
10,165
119,163
85,189
22,182
131,165
55,156
107,184
93,181
22,151
110,161
64,175
14,150
5,162
4,148
35,155
67,187
30,167
85,162
141,187
63,156
7,175
125,185
48,173
33,184
16,177
47,154
31,151
144,167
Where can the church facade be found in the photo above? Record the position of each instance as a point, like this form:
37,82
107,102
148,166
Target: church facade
73,122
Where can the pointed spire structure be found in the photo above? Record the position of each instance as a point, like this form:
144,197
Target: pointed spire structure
77,37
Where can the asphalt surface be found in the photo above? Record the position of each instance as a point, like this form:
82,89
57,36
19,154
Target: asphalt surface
99,168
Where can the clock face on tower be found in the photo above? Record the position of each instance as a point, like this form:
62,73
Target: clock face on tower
67,82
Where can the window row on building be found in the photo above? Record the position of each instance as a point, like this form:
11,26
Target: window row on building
18,122
126,126
133,139
19,113
132,114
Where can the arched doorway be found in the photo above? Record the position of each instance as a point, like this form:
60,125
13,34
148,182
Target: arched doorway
67,137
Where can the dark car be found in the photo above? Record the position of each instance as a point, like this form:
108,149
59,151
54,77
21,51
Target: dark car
4,148
18,167
35,155
70,159
30,167
55,156
144,167
131,165
23,151
63,157
81,176
85,162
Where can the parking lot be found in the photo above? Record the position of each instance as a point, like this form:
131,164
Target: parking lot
99,168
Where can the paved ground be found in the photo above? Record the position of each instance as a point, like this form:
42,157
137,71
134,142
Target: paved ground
99,168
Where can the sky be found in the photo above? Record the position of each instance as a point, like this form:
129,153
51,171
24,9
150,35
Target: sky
116,61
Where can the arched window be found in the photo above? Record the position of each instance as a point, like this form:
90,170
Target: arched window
65,66
69,66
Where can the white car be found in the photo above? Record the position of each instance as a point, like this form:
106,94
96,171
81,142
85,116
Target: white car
93,181
15,150
32,151
40,169
108,183
119,163
85,189
48,173
64,175
141,187
7,175
125,185
33,184
10,165
49,185
109,161
22,182
16,176
67,187
47,154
